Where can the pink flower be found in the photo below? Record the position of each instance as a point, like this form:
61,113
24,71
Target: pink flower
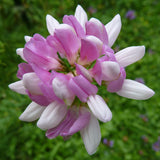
61,74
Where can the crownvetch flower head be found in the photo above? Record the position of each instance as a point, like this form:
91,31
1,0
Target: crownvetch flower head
61,74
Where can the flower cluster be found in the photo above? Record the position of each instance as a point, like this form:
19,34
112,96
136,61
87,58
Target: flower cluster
62,72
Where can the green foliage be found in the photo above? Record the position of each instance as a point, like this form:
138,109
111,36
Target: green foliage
24,141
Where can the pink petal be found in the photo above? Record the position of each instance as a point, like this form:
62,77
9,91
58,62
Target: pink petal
89,51
72,21
96,72
80,70
78,91
63,126
38,51
23,68
96,28
108,54
42,74
38,37
46,83
85,85
39,99
48,92
41,61
96,41
82,87
82,120
54,43
69,41
116,85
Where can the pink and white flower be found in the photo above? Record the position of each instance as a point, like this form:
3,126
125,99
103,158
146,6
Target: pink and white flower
61,74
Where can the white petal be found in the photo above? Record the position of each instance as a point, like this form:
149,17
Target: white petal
113,28
96,41
52,116
135,90
52,24
59,87
20,53
99,108
18,87
85,73
62,91
66,27
27,38
130,55
110,69
31,82
81,16
91,135
32,112
97,22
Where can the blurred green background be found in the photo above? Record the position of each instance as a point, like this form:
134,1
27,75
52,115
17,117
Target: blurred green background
135,127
